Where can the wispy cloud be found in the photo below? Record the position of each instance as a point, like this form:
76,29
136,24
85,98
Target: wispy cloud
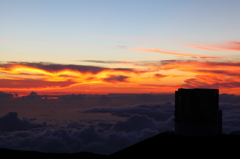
227,46
3,41
173,53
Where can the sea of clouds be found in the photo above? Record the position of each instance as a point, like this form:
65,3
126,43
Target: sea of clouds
102,137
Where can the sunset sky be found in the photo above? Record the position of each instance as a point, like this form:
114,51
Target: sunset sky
119,46
65,47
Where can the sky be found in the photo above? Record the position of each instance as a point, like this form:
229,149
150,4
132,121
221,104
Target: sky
145,48
101,47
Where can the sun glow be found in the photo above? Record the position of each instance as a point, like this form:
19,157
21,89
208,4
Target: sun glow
167,76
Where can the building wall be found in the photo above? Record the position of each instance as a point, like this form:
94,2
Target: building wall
197,109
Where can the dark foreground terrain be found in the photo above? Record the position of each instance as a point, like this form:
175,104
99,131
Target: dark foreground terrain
164,145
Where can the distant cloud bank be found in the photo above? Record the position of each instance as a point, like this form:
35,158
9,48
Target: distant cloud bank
141,122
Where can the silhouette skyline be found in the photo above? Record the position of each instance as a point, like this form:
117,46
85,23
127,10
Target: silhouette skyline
197,112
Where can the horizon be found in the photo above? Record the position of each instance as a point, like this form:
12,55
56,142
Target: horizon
24,94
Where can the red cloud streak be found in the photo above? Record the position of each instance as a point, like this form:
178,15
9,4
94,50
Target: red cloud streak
228,46
173,53
34,84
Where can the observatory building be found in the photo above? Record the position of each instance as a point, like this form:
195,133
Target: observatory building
196,112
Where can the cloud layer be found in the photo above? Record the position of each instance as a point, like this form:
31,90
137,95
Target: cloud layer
149,76
103,137
47,75
159,112
11,122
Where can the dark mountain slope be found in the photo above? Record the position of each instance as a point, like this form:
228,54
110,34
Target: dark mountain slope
169,144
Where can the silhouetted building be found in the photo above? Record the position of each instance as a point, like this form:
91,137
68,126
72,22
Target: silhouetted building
196,112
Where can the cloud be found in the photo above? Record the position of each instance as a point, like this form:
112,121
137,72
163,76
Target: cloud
192,73
54,68
228,46
197,73
134,123
207,73
213,82
50,67
195,65
48,75
173,53
158,112
158,75
5,95
231,118
134,63
104,126
116,78
229,98
69,140
103,137
11,122
105,62
76,125
33,84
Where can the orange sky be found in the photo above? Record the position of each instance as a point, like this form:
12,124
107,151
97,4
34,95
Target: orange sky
159,77
110,47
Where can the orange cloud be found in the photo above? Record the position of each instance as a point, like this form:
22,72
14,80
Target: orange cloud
55,69
33,84
212,82
48,75
202,66
158,76
173,53
224,75
228,46
116,78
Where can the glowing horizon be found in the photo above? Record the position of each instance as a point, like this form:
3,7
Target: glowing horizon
158,77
